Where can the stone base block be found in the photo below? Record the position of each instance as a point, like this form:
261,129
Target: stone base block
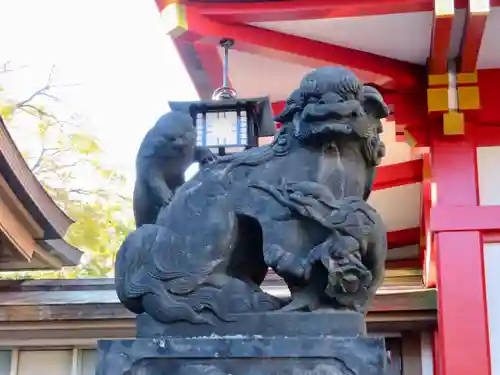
243,355
290,324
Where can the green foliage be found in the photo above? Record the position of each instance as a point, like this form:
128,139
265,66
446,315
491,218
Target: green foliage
6,111
69,164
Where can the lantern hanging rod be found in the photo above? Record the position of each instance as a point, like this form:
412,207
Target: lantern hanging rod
226,44
225,92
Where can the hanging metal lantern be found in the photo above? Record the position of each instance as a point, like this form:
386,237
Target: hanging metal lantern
227,124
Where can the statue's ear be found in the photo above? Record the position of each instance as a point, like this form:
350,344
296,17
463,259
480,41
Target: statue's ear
293,104
374,103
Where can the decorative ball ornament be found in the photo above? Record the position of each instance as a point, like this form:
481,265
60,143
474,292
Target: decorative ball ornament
224,93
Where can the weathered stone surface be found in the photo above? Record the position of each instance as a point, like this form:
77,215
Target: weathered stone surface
297,205
243,355
294,324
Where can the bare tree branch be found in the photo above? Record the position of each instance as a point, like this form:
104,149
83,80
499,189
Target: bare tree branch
30,98
38,163
43,91
59,168
6,67
39,112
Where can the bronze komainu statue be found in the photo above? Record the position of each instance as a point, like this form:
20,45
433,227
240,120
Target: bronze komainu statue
297,205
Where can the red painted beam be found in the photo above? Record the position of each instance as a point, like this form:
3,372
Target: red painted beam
277,107
453,169
302,51
410,110
201,79
296,10
488,91
441,36
410,116
485,135
393,175
276,11
203,64
465,218
477,15
403,237
211,63
491,237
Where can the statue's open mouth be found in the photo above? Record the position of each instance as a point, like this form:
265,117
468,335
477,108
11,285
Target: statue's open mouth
331,127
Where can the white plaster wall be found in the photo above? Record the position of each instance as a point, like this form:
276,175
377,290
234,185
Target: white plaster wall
357,33
488,168
492,278
398,206
426,353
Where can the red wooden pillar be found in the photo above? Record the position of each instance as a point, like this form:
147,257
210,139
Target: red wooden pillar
436,355
463,337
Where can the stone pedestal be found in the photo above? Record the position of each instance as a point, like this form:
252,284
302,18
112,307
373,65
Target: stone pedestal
304,343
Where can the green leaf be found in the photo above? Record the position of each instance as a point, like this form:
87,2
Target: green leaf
43,127
84,144
6,111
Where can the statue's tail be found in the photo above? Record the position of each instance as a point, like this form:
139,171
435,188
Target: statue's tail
130,281
168,294
196,291
137,290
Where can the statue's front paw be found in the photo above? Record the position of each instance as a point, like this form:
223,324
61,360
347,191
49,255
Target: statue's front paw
208,159
206,156
167,200
291,267
284,263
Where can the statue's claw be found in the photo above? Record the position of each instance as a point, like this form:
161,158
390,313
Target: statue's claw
208,159
303,299
204,156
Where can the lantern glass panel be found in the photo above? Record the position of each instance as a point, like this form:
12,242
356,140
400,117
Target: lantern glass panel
228,129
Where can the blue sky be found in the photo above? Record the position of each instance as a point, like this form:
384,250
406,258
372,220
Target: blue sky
126,68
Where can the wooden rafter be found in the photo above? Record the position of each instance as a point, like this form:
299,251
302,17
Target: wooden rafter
444,14
477,14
